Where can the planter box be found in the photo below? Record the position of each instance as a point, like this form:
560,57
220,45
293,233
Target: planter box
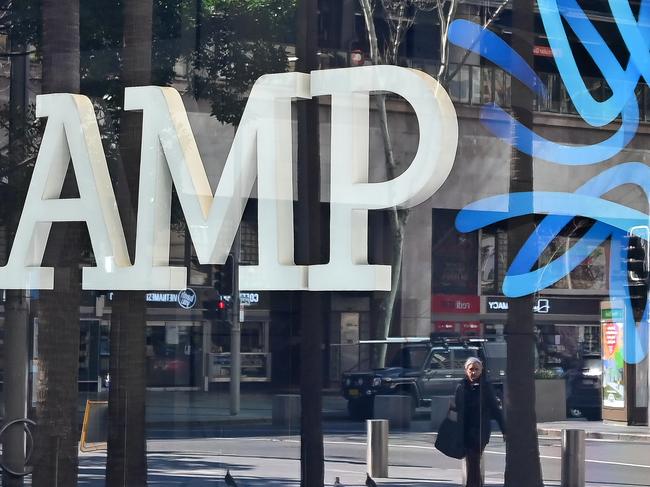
550,399
285,411
396,409
439,408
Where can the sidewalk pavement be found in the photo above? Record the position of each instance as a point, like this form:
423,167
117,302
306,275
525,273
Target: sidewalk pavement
605,430
176,408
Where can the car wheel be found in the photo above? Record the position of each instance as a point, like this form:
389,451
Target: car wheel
592,414
574,413
360,409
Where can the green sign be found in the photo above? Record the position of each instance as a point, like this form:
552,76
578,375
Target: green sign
611,314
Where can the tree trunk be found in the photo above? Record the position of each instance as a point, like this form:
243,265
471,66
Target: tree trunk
398,218
308,251
60,46
126,463
15,351
522,450
56,443
15,354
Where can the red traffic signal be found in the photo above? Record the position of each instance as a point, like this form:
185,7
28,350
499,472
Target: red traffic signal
215,309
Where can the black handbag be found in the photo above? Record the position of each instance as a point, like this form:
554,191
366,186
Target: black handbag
450,440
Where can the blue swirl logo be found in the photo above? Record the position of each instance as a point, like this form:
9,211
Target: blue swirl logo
612,221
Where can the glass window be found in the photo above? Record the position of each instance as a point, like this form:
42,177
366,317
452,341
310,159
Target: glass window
440,360
455,83
488,263
555,93
454,258
460,356
249,244
487,84
544,100
409,357
464,96
590,274
646,102
199,274
476,85
499,88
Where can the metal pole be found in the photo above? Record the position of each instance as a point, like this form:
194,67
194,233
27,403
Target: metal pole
377,448
235,333
309,250
573,458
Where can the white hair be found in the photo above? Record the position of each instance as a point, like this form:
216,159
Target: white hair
472,360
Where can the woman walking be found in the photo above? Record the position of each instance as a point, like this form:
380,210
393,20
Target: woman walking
476,405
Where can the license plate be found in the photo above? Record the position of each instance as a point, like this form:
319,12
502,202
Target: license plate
353,392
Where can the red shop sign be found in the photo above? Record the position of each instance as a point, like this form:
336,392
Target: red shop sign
455,303
543,51
471,328
445,326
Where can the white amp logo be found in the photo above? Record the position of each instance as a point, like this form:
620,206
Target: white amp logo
262,148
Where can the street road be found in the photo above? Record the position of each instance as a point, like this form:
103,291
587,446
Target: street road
268,459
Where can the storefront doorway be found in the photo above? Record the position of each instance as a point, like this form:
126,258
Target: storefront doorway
174,354
255,353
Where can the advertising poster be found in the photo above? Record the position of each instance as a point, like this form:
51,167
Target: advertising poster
613,364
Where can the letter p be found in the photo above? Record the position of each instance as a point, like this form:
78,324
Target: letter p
351,195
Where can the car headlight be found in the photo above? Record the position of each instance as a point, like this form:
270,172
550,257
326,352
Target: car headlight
593,373
376,382
360,381
348,382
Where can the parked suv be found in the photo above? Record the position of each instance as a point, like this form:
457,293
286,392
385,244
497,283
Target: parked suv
421,370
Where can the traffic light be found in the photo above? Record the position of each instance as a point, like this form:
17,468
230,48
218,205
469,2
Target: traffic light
223,277
638,272
216,309
222,310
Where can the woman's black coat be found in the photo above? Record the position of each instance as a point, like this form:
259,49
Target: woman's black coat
489,409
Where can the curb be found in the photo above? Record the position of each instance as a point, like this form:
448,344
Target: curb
598,435
226,420
209,423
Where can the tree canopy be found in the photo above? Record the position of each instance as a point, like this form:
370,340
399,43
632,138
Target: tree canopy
239,41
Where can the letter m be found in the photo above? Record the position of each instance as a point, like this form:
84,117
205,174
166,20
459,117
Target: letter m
262,147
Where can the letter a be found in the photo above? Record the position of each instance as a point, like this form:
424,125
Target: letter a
71,132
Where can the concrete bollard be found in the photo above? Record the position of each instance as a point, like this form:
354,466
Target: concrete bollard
396,409
573,458
439,408
377,448
286,411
